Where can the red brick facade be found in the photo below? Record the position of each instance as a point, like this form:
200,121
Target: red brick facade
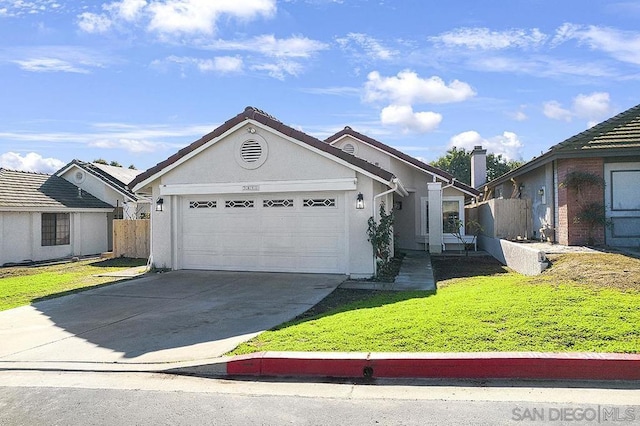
570,233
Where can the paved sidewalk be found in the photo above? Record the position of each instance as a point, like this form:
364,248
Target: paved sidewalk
415,273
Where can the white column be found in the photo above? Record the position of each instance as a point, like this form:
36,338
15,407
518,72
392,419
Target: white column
435,217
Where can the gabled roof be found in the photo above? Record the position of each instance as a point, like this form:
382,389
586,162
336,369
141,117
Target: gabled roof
41,191
115,177
617,136
259,116
348,131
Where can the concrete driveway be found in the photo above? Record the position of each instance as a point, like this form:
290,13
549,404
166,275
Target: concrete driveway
162,318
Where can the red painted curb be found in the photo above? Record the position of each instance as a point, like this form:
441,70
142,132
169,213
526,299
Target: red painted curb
549,366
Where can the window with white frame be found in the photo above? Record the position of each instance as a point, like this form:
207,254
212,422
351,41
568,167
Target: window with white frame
452,214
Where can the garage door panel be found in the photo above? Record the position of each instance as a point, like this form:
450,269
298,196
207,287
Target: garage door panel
288,238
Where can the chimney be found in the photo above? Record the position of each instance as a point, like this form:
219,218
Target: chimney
478,166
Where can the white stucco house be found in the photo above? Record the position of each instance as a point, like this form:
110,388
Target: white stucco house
45,217
258,195
109,184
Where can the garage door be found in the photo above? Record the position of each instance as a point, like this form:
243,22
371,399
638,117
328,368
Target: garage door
275,232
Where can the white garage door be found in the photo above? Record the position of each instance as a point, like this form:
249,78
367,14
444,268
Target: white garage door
274,232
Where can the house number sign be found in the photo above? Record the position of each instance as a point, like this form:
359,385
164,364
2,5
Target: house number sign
251,187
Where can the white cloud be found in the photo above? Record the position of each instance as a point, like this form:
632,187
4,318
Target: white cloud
269,45
13,8
541,66
128,10
227,64
72,59
408,88
221,64
403,91
130,145
279,69
486,39
593,107
621,45
333,91
110,135
31,162
508,145
555,111
93,23
172,17
372,47
404,117
49,65
518,115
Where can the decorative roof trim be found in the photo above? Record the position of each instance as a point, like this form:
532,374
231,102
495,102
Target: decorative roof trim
259,118
401,156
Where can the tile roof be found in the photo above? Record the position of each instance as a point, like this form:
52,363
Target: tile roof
619,132
116,177
617,136
401,155
35,190
251,113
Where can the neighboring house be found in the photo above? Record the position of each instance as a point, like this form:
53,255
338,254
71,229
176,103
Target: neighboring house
609,150
45,217
109,184
258,195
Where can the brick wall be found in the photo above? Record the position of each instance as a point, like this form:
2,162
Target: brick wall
570,233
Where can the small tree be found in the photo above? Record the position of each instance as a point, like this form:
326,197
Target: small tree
381,237
591,213
473,226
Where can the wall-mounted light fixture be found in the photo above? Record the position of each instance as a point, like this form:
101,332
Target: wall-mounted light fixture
360,201
543,194
397,205
251,130
159,204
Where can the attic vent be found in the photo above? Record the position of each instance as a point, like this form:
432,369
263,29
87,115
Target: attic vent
250,151
79,176
349,148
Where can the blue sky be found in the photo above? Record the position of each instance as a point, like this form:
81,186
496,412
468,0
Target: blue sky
135,80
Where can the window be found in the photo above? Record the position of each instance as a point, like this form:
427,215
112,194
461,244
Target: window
319,202
239,204
277,203
56,229
451,216
203,204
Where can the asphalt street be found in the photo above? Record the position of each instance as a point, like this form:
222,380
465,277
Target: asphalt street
84,398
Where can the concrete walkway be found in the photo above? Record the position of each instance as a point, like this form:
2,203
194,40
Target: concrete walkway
415,273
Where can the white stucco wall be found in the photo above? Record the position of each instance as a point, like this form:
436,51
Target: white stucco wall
363,150
286,161
22,237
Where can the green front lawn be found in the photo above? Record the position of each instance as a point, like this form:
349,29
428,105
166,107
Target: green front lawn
21,285
490,310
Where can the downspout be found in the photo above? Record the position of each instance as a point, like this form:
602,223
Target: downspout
393,182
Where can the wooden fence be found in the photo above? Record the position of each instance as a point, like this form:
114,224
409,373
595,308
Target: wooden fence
131,238
503,218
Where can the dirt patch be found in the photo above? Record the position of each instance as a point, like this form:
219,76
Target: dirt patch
601,270
448,267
